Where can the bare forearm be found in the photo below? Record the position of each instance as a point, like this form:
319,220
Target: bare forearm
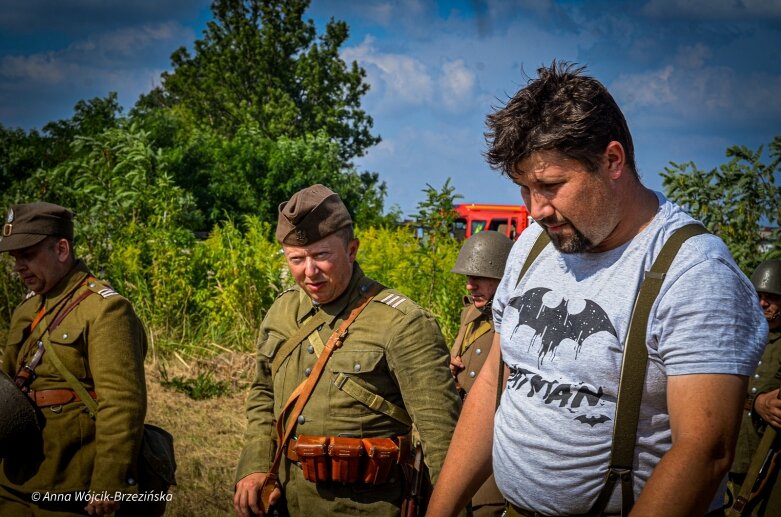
682,484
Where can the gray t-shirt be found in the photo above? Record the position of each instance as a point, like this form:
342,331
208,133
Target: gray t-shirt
562,332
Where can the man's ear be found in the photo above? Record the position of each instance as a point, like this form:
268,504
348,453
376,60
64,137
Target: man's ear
63,250
616,159
352,249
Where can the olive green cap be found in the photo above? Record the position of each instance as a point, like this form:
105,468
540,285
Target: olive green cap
17,416
28,224
483,254
311,214
766,278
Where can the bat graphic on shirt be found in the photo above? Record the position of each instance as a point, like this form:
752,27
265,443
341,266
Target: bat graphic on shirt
555,324
592,420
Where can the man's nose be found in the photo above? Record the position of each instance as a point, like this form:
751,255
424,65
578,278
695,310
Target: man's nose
540,205
311,268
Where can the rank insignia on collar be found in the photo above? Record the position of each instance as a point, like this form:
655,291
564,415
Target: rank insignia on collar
10,217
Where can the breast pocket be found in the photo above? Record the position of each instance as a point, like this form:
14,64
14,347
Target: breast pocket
69,345
366,367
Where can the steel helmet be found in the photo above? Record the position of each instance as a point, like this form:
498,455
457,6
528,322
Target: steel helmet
18,420
767,277
483,254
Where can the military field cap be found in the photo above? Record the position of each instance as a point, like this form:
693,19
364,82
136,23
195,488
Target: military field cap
28,224
17,416
310,215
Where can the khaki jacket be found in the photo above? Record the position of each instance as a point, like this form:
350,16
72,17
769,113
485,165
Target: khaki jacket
394,349
473,342
103,343
767,377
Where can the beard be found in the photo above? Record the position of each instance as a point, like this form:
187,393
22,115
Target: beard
576,242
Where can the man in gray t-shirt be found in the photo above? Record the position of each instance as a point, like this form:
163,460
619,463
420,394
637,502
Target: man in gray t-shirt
562,327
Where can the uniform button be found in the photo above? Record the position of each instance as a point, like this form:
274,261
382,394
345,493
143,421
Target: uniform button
65,336
131,481
310,349
301,419
478,351
307,371
756,376
472,374
759,363
754,390
92,284
357,367
364,288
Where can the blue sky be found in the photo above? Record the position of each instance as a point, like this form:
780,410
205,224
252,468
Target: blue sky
692,76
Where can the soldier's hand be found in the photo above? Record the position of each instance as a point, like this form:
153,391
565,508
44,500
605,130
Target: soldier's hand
768,407
106,507
246,500
456,365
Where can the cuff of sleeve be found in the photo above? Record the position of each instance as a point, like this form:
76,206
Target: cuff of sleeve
257,456
114,477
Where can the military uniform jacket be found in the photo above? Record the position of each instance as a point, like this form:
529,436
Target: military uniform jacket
767,377
103,343
394,349
472,343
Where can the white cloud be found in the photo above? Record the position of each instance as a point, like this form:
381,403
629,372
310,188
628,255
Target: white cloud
404,80
456,85
649,89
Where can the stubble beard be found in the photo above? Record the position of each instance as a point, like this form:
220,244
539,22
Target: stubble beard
576,242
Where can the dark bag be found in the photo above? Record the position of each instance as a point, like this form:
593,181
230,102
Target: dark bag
157,462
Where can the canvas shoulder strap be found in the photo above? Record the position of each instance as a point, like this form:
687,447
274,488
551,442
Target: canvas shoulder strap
633,368
534,252
298,336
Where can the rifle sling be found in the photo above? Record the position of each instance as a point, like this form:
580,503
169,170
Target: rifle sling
301,394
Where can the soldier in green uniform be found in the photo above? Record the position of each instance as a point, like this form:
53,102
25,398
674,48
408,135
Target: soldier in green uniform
481,259
72,319
763,406
391,371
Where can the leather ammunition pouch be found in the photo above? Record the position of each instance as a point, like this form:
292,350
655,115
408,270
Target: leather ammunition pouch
347,460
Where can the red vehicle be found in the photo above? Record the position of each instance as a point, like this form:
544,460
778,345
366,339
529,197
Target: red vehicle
510,220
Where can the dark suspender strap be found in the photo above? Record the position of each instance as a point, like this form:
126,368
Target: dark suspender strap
633,368
537,247
293,341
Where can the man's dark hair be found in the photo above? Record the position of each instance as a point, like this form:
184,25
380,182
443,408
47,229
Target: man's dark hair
563,111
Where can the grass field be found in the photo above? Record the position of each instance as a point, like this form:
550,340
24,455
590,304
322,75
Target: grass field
208,433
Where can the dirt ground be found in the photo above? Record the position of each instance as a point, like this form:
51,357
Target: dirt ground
208,434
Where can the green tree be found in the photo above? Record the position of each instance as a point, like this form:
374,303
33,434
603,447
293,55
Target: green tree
260,60
734,200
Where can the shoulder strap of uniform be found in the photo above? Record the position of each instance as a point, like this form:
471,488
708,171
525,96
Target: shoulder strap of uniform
542,240
633,367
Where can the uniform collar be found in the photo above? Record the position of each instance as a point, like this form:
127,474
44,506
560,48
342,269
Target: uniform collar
355,289
78,273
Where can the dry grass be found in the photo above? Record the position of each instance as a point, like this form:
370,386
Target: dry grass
208,433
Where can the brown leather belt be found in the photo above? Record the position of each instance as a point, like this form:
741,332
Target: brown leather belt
57,397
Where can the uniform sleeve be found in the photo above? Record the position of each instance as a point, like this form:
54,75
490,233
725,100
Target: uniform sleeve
419,358
258,452
116,349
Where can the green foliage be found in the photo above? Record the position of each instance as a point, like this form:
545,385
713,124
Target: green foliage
734,200
396,258
259,60
436,214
